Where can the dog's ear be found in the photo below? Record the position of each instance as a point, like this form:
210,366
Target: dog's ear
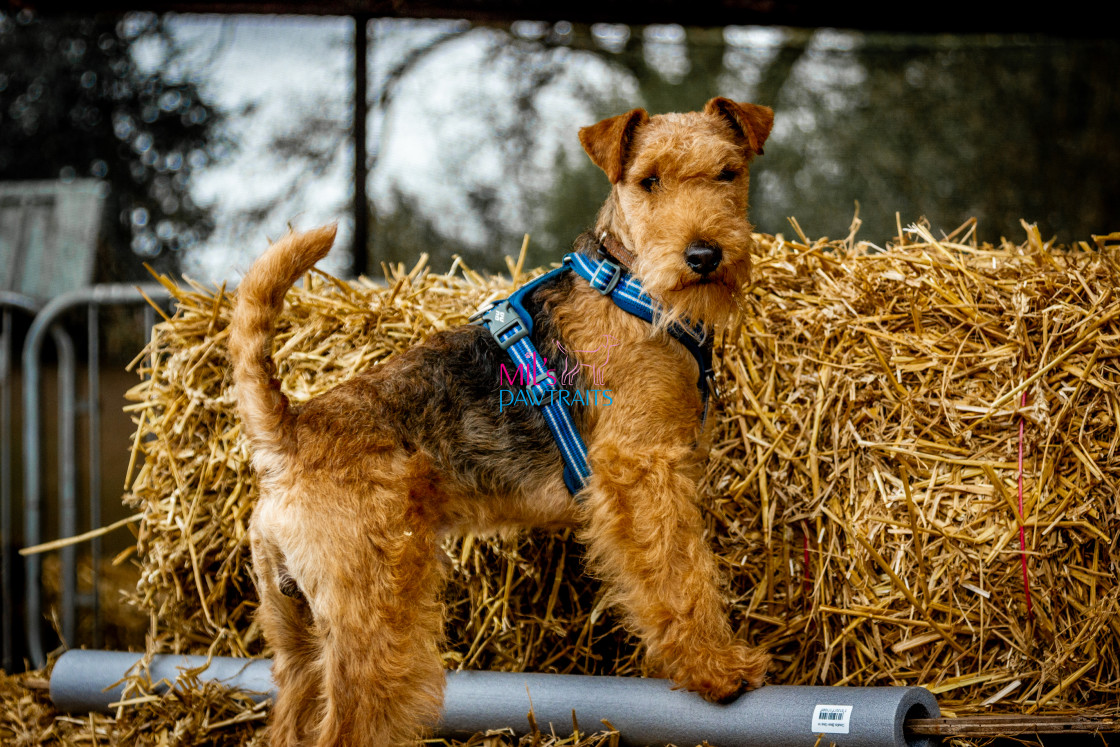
608,142
751,121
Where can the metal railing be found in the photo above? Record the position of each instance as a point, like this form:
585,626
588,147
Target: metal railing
11,304
48,322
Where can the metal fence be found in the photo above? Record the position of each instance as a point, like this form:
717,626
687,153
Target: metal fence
56,512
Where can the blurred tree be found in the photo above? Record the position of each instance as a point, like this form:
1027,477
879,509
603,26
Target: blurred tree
517,135
76,103
404,232
551,192
1000,128
674,69
949,127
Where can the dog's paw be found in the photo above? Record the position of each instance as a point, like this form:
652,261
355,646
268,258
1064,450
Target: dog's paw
723,677
753,672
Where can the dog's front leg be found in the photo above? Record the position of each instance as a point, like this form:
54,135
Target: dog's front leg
644,534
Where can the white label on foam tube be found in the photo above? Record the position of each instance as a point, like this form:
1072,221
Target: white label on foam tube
832,719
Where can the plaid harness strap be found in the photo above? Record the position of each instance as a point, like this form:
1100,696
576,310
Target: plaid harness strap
511,327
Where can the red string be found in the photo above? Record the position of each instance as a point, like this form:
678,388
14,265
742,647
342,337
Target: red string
1022,530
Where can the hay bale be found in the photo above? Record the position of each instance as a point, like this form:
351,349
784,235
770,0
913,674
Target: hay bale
863,494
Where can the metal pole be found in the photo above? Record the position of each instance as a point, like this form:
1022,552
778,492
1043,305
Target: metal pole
67,481
644,711
361,111
7,551
93,414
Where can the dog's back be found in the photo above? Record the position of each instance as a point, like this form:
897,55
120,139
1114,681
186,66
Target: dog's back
444,399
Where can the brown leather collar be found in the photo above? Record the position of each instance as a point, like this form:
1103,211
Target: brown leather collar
617,251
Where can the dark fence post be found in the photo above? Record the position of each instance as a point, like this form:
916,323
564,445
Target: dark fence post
360,264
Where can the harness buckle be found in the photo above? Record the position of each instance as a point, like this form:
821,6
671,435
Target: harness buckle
500,319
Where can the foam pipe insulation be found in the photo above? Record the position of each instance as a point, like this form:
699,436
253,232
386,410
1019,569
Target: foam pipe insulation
644,711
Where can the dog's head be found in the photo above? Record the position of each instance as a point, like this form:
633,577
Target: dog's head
680,185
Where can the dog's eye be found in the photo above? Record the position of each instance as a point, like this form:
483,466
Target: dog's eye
649,183
727,175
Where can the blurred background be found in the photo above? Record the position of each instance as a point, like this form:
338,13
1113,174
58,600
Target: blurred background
135,133
207,134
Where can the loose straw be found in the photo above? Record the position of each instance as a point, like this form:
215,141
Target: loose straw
1022,520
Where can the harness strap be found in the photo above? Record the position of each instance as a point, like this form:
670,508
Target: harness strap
511,326
626,291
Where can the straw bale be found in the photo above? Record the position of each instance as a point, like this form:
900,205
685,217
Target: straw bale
862,496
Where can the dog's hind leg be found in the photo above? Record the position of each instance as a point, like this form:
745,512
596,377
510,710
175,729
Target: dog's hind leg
285,618
373,583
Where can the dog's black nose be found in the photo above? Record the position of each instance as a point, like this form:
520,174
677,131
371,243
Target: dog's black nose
703,258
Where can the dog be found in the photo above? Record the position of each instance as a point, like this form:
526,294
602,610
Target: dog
358,486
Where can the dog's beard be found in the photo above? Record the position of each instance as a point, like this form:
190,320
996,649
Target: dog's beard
714,302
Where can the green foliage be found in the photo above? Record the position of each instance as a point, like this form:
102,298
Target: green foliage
74,103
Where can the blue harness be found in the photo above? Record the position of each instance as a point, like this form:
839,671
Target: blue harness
511,326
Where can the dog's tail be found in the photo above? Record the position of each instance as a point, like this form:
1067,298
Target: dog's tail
260,298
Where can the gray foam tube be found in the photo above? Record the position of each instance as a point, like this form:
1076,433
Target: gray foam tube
645,711
88,681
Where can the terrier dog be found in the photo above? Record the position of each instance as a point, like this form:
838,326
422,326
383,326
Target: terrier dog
358,485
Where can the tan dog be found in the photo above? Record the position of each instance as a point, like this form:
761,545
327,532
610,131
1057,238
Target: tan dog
358,486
